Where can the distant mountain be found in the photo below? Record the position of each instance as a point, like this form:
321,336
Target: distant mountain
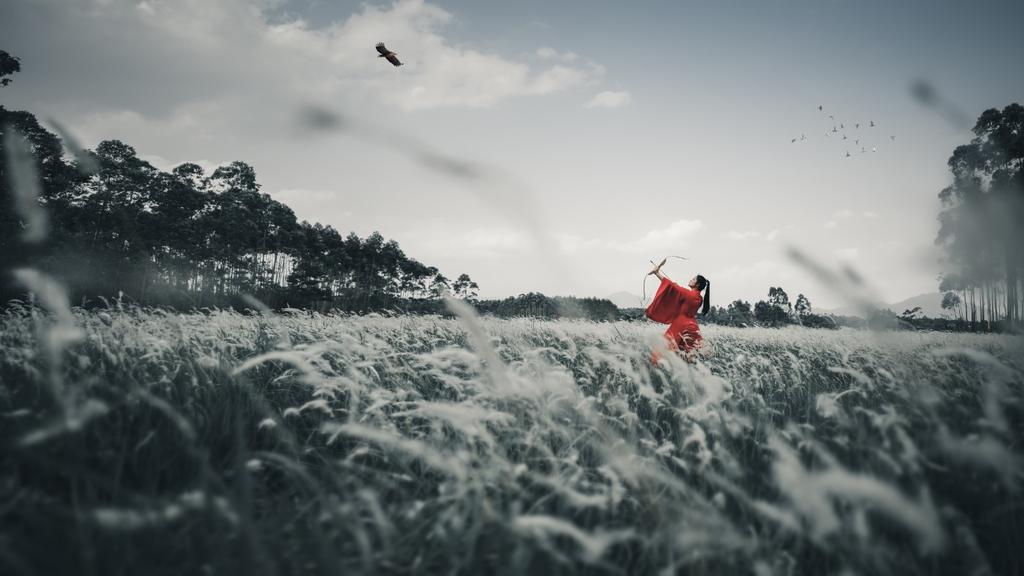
625,300
930,303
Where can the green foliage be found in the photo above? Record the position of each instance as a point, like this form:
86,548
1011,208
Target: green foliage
802,306
885,320
464,287
912,313
809,320
778,297
981,218
771,315
738,313
537,305
8,66
951,301
188,239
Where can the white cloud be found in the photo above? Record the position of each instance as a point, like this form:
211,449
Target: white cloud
609,99
846,214
435,73
741,235
760,272
572,244
326,201
236,45
495,238
474,244
672,237
846,253
548,53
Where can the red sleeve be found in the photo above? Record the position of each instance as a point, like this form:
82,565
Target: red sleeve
667,302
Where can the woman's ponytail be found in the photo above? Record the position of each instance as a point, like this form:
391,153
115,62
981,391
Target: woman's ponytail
707,293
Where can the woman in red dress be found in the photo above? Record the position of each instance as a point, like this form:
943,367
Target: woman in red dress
677,306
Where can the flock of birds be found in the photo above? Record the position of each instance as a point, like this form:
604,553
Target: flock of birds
853,134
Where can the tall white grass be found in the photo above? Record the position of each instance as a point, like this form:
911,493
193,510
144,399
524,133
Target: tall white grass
472,443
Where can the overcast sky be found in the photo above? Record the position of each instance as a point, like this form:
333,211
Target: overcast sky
553,146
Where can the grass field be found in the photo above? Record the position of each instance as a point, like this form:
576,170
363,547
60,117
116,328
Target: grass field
145,442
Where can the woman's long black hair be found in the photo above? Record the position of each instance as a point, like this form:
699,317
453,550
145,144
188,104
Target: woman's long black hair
702,284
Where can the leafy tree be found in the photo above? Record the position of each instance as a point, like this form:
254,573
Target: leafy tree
802,306
769,314
884,320
588,308
464,287
778,297
982,214
9,65
818,321
951,301
235,176
911,313
739,313
439,284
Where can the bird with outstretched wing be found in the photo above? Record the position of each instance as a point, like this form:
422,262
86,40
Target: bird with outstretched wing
388,54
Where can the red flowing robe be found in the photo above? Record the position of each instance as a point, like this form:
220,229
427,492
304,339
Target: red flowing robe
676,306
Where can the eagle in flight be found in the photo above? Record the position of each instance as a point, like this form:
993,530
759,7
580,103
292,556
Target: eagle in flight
385,53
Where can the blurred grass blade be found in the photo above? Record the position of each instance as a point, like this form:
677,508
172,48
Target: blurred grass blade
25,186
87,163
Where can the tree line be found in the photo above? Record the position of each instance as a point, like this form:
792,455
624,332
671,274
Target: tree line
186,238
981,220
775,311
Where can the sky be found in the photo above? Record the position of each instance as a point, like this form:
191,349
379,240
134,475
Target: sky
554,147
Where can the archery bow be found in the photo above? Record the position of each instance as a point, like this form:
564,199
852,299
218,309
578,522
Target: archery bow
665,259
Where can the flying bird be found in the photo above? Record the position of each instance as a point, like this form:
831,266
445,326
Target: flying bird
792,141
892,137
847,153
388,54
803,137
819,108
857,125
872,124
